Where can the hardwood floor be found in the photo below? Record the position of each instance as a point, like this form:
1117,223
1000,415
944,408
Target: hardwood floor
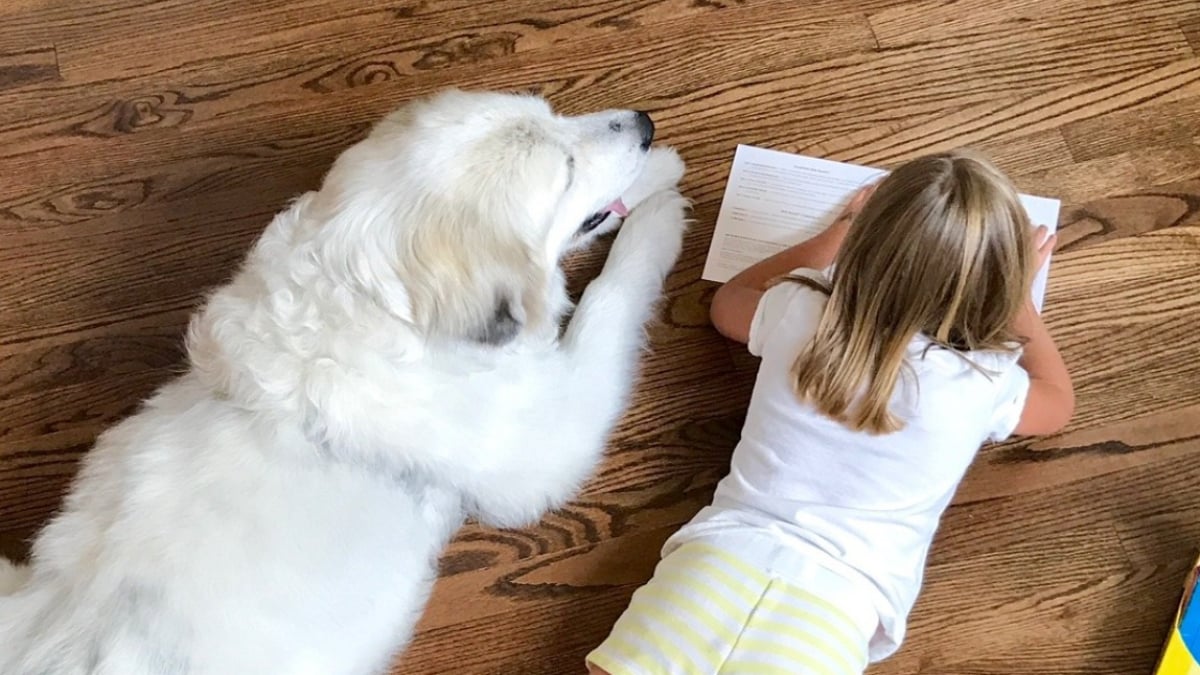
143,146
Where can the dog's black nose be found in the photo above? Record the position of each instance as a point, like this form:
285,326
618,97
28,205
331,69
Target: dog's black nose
645,126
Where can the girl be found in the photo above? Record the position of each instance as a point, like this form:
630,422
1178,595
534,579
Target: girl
887,360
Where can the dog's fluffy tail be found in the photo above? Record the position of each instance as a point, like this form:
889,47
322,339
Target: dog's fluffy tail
12,577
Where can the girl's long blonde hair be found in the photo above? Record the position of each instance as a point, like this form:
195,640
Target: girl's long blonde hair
943,248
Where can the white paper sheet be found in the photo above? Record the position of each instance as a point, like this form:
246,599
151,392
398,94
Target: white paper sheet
777,199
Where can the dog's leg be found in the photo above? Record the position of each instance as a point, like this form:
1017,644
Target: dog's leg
605,335
604,338
664,167
596,366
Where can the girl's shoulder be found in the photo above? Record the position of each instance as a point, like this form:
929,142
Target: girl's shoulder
924,351
985,389
789,309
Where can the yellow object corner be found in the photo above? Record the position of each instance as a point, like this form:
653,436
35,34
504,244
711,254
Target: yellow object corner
1176,659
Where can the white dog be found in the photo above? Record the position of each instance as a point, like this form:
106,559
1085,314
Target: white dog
387,362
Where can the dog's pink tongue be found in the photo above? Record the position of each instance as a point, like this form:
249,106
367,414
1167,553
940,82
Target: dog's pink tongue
618,207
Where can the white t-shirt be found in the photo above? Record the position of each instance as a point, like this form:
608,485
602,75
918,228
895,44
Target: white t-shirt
866,505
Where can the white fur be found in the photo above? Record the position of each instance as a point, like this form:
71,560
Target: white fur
387,362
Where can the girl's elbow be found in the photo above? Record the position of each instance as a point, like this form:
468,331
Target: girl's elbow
1068,408
1061,414
715,308
725,314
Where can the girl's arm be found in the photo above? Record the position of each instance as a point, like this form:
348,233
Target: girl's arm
736,300
1051,398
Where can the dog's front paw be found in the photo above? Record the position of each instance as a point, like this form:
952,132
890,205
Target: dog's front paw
662,171
652,237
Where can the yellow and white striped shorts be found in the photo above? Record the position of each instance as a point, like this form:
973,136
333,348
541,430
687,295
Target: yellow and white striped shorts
710,611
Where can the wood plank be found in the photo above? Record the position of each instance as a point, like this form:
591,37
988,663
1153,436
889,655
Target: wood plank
244,153
1144,210
397,40
1191,28
1037,464
1014,148
1059,614
64,206
1102,313
1169,124
149,343
506,587
1081,603
1107,176
558,608
33,478
21,69
15,543
1039,115
87,408
1020,131
1160,523
266,171
96,280
749,41
883,85
916,22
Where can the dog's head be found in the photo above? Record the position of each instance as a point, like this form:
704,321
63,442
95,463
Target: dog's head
455,210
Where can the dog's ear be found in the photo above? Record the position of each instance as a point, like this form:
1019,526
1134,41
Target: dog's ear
499,305
475,254
520,299
474,278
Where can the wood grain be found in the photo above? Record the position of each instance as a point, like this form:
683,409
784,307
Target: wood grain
19,69
143,146
1191,28
916,22
1046,115
1167,124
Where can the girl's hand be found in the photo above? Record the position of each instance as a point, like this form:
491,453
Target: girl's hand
734,303
1043,243
856,204
1050,401
1043,246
